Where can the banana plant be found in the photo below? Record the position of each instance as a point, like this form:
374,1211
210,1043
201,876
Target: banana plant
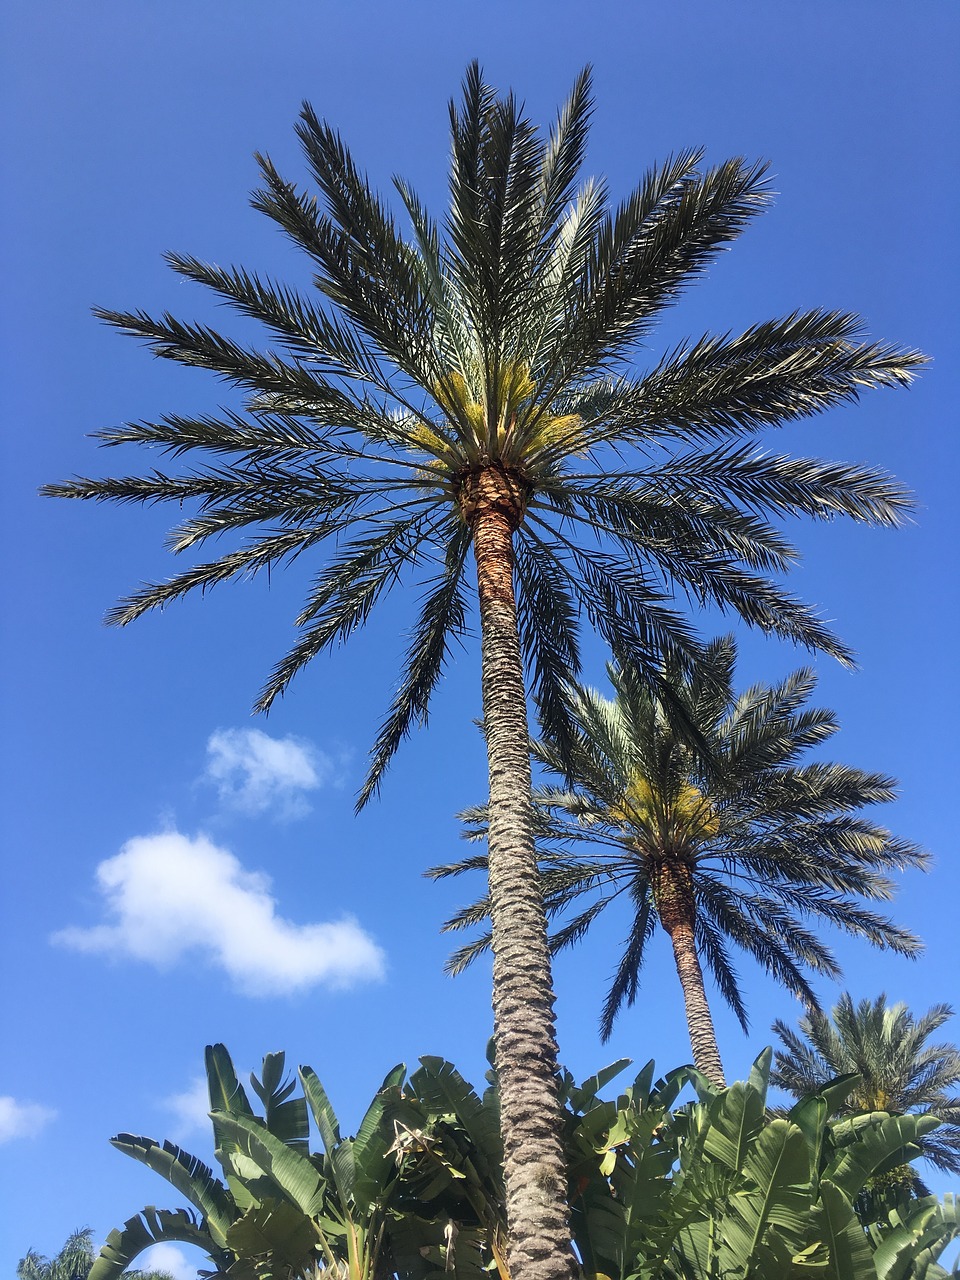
724,1187
450,1151
621,1155
909,1244
280,1213
358,1176
451,1203
719,1188
244,1224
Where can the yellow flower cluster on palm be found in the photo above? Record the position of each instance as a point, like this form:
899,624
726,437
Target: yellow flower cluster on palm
687,815
503,424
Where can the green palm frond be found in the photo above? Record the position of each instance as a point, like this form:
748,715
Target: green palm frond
771,374
777,847
626,980
501,337
888,1048
443,618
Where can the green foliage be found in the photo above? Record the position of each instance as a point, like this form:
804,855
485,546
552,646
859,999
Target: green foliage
888,1050
725,1188
281,1211
693,776
500,339
718,1188
450,1206
73,1262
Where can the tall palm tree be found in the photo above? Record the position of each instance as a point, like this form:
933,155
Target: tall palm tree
466,386
731,840
886,1046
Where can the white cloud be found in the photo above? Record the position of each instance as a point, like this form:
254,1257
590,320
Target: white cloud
255,773
191,1109
167,1257
168,896
22,1119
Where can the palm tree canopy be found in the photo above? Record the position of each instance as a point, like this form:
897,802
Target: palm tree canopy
73,1262
886,1046
495,342
766,844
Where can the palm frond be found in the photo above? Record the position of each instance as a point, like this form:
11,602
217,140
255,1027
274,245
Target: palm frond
781,847
711,945
626,980
343,596
548,626
497,337
660,239
886,1047
773,373
201,347
442,618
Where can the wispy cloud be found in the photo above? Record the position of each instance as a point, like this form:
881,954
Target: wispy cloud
168,896
167,1257
256,774
22,1119
190,1109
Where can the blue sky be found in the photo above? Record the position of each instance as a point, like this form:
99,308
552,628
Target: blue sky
180,873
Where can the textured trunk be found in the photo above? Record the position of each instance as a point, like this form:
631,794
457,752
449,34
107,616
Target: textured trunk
526,1048
677,911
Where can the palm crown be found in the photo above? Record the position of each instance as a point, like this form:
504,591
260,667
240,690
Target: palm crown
733,840
887,1047
493,344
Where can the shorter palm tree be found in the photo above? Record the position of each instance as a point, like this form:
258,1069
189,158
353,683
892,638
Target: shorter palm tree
689,802
74,1262
886,1046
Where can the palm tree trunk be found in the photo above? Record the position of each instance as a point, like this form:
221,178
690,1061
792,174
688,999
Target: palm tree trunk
677,911
703,1038
524,1035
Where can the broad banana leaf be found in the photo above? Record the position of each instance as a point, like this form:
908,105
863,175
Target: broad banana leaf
373,1164
882,1141
640,1184
293,1174
284,1116
279,1231
227,1095
774,1192
155,1226
849,1253
811,1115
323,1113
582,1097
191,1177
735,1119
911,1250
442,1090
669,1087
759,1077
339,1163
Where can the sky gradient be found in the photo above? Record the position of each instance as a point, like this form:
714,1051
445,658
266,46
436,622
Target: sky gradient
179,873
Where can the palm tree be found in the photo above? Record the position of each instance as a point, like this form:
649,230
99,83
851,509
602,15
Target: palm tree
728,841
466,386
886,1046
73,1262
